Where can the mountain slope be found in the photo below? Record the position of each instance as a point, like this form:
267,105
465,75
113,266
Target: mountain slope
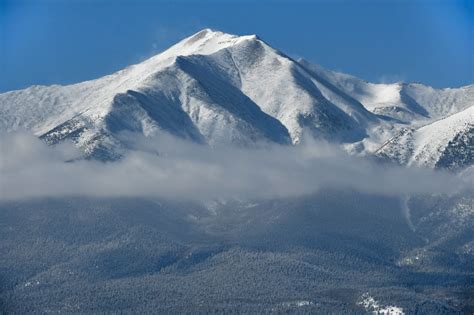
446,143
211,87
286,91
400,101
218,88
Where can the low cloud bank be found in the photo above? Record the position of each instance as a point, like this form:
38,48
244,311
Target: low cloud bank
166,167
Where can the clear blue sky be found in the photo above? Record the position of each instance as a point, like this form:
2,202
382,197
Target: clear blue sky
46,42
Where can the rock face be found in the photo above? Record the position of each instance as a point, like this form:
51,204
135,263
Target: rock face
217,88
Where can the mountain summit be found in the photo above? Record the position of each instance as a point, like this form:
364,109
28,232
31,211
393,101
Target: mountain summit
218,88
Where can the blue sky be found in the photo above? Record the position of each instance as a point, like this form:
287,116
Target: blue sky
46,42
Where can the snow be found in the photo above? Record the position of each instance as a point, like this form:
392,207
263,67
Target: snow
424,146
441,103
219,88
371,305
178,101
430,140
408,102
41,108
369,94
205,42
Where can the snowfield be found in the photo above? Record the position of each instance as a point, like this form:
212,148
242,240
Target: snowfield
219,88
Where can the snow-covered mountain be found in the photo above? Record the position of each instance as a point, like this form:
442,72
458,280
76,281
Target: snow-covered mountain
446,143
430,127
84,253
408,103
218,88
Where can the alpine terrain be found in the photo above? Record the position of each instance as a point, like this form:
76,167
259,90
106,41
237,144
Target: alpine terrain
337,250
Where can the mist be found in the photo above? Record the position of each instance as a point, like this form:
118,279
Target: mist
172,168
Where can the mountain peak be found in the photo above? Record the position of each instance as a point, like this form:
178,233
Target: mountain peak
215,87
207,31
214,32
205,42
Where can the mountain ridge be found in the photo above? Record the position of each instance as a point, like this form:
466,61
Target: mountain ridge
218,88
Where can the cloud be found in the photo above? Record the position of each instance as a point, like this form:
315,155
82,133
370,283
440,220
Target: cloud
167,167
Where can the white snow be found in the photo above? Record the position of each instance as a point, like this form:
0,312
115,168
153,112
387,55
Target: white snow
408,102
371,305
430,140
425,145
218,88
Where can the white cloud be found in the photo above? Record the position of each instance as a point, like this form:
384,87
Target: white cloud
167,167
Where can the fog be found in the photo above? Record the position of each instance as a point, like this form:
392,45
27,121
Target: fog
167,167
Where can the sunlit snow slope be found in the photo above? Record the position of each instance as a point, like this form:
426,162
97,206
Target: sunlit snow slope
446,143
218,88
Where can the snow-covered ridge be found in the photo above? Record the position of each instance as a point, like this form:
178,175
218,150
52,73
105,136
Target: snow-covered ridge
31,107
448,142
408,102
214,88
